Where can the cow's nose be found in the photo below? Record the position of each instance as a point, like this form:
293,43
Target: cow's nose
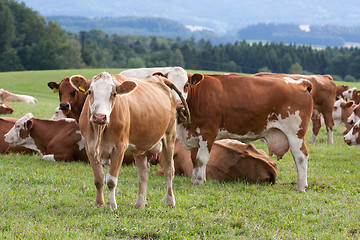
99,118
348,142
64,106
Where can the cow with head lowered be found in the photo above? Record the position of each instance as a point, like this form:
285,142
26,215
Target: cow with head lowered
247,108
127,115
323,93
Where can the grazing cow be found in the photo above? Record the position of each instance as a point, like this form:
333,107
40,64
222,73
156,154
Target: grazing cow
5,125
323,93
71,100
5,109
56,140
340,89
356,96
247,108
341,113
6,96
348,94
122,114
354,116
353,136
177,75
229,160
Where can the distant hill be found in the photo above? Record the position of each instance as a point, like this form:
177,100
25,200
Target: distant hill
316,35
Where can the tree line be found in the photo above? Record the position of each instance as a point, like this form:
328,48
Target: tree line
27,42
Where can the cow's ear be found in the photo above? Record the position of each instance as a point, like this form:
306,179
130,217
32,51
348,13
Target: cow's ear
80,83
196,78
29,124
54,86
347,104
126,87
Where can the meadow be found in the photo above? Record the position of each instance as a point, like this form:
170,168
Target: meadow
55,200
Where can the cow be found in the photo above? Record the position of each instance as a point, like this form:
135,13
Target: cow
356,96
353,136
128,115
55,140
348,94
340,89
177,75
323,93
229,160
6,124
247,108
5,109
342,111
71,100
58,114
354,116
6,96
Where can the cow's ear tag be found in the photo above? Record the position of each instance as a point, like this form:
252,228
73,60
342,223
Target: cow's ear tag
55,90
82,89
358,94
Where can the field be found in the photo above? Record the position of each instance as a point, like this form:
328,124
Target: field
55,200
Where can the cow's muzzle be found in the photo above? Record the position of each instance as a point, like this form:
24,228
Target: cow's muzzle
64,106
348,142
99,118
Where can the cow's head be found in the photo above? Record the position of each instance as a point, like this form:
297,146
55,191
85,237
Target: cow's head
68,95
102,91
19,134
354,116
5,109
348,94
353,136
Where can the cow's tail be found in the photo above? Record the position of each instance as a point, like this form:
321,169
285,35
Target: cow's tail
180,110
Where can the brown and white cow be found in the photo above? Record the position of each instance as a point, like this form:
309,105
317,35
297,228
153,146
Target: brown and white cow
127,115
354,116
348,94
342,111
5,109
323,93
229,160
6,96
5,125
247,108
353,136
56,140
340,89
71,100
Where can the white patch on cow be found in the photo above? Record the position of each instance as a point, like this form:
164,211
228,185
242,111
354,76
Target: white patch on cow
224,134
112,201
290,80
81,143
350,136
183,135
330,135
58,114
203,154
353,118
348,94
102,88
337,111
49,157
3,105
69,120
231,141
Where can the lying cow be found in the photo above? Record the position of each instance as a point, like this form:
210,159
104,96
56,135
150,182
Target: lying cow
6,96
122,114
229,160
56,140
177,75
5,109
353,136
247,108
5,125
323,93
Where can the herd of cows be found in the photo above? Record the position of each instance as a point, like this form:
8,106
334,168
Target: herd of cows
199,125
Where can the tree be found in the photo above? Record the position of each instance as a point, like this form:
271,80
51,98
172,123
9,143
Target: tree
136,62
296,68
9,61
7,28
71,57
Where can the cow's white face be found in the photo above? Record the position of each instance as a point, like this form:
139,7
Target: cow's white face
337,111
179,78
18,134
348,95
102,94
352,137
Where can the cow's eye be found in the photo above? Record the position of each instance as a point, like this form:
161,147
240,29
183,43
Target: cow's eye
114,94
88,92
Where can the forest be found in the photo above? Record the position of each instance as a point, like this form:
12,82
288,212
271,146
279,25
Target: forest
28,42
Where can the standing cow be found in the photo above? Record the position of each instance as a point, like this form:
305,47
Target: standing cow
247,108
127,115
323,93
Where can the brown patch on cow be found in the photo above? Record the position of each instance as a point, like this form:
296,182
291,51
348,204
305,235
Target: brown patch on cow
170,191
126,87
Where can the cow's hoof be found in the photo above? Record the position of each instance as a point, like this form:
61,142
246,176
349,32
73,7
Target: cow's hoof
170,201
113,205
300,189
198,181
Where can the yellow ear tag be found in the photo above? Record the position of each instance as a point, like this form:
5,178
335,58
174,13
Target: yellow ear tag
55,90
81,89
358,93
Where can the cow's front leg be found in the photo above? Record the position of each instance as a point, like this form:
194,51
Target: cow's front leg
98,181
143,169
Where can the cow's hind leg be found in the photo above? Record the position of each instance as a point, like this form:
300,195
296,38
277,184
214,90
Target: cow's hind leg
329,123
316,121
168,165
143,169
300,155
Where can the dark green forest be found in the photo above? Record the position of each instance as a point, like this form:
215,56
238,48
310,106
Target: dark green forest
28,42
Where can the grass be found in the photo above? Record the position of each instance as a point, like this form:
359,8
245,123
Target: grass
48,200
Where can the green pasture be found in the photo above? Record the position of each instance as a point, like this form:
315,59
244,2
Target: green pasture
55,200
